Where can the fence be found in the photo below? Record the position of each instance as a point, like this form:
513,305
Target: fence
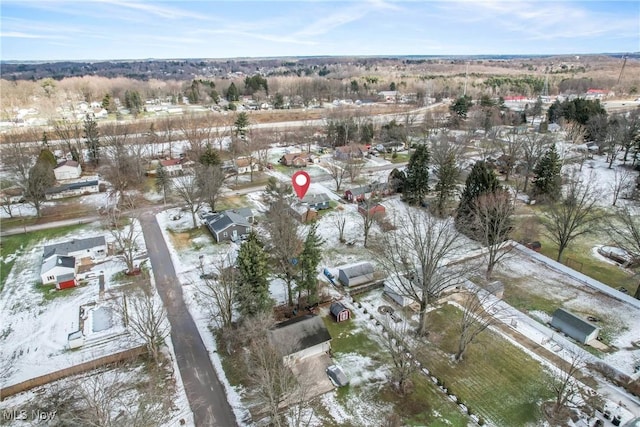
72,370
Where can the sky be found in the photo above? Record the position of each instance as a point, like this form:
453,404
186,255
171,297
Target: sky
137,29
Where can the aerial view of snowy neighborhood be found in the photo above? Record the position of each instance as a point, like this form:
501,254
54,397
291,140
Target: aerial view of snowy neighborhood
320,240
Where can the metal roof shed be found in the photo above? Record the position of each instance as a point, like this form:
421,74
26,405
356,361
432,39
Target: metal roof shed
574,326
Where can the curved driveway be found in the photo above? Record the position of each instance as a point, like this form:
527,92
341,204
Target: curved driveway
207,397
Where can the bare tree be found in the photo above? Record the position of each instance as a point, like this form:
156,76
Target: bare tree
339,217
565,386
271,380
285,243
18,158
396,341
69,132
444,157
417,257
338,171
122,170
126,233
187,189
353,169
625,231
210,180
622,182
492,223
574,214
143,312
510,150
219,288
533,147
479,311
369,215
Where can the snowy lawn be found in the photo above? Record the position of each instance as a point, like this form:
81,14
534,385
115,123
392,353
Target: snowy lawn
370,395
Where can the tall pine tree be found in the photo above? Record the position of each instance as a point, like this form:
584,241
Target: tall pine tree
547,179
252,295
416,185
92,139
447,174
481,180
309,261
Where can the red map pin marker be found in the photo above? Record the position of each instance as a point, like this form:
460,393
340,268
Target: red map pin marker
301,181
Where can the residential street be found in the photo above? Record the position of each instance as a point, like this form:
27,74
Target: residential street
206,394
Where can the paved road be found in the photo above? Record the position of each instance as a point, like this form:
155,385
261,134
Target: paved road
206,394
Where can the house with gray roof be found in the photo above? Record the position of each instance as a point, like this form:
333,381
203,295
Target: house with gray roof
91,247
59,270
72,189
299,338
574,326
230,225
317,201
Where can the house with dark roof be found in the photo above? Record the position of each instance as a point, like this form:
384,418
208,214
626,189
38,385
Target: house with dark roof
68,169
356,274
360,194
230,225
317,201
59,270
72,189
350,152
299,338
91,247
574,326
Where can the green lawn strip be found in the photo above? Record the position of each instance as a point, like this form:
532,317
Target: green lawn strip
19,242
424,405
496,380
518,297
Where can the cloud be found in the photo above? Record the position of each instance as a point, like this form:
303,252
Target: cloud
21,35
155,9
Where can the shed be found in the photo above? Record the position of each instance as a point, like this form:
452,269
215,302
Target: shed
396,295
574,326
300,338
339,312
356,274
66,281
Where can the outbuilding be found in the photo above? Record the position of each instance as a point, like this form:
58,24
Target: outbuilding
574,326
68,169
339,312
356,274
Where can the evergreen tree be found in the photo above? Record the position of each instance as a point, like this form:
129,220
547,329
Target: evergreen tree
461,106
163,182
278,102
92,139
133,101
310,258
233,94
46,156
252,296
45,140
41,177
241,124
547,178
447,174
210,157
416,185
481,180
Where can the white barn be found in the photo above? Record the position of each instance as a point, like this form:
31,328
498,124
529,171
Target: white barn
68,169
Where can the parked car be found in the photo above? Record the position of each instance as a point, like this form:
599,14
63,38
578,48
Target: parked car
337,376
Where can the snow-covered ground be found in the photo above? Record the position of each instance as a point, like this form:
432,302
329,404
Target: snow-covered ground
35,325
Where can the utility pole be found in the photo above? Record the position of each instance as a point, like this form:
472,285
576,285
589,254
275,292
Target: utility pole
466,77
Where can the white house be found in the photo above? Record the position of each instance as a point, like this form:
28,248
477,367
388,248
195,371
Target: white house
173,167
68,169
60,270
301,337
73,189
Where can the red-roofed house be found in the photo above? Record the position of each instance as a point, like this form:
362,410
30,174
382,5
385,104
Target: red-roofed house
173,167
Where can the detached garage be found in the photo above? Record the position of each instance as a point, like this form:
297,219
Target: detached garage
300,338
574,326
